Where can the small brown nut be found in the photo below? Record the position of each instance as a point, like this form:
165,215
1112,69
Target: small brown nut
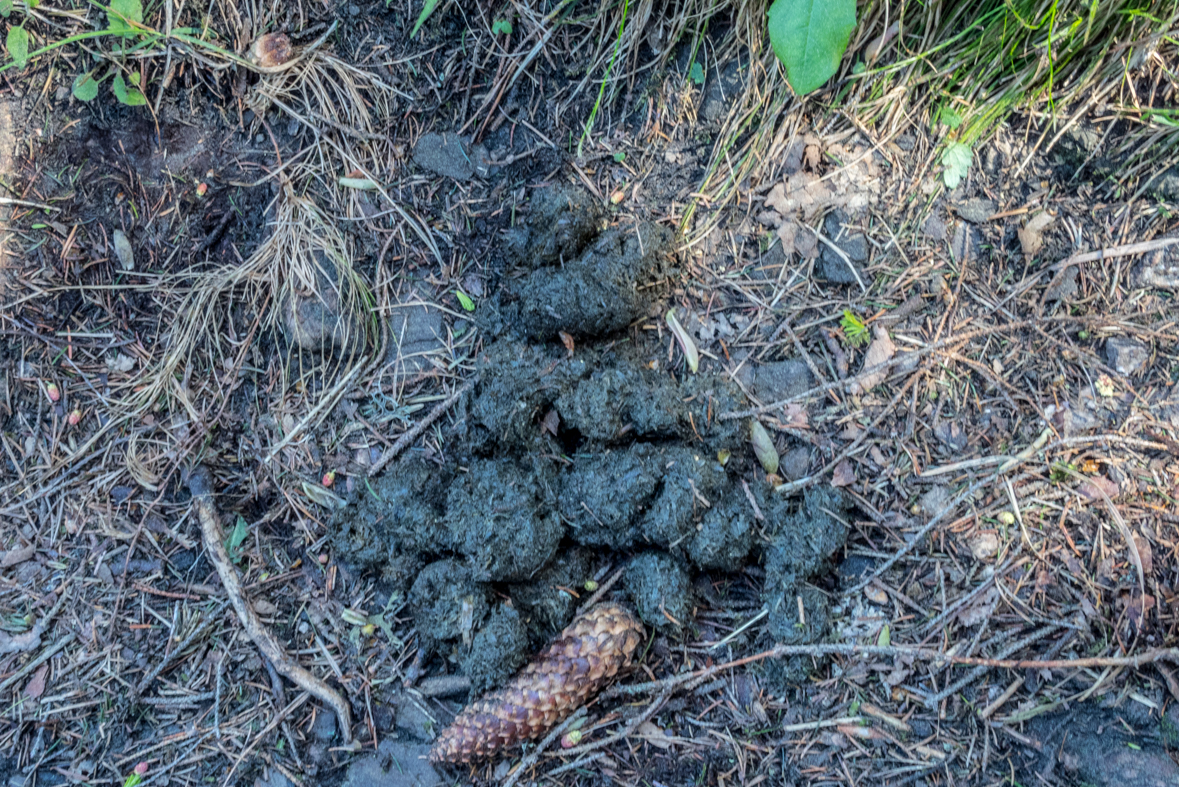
270,50
587,656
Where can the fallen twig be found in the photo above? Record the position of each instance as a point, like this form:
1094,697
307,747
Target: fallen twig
913,651
407,439
201,485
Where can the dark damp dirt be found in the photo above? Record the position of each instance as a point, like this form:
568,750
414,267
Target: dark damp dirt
1101,747
567,460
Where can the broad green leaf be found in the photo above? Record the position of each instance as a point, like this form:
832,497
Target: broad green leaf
85,87
956,159
696,73
810,37
949,117
5,8
131,96
119,86
120,13
427,9
18,46
501,26
465,300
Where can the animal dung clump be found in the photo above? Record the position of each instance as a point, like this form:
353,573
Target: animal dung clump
568,455
587,656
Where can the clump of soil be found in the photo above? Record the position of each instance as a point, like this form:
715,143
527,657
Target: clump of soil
500,516
497,651
660,588
564,459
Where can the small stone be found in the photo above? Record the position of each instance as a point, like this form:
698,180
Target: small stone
977,210
412,720
324,727
1127,356
1063,286
449,155
416,332
793,464
1161,271
854,244
935,227
773,382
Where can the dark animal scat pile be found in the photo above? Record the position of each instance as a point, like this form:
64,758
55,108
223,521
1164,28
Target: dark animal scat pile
557,461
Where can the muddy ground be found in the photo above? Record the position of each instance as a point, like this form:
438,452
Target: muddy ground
586,446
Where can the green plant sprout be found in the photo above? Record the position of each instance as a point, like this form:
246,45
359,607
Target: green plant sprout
855,332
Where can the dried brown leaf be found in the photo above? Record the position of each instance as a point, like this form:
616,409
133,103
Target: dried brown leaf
795,416
654,735
984,544
15,556
978,610
1030,236
880,351
1145,553
843,475
36,685
1095,486
787,235
552,422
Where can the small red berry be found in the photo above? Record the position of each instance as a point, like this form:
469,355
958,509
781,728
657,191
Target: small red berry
329,478
75,416
52,391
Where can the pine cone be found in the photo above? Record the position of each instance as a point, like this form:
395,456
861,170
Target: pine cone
579,664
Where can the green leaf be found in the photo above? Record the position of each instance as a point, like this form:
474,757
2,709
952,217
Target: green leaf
884,639
5,8
949,117
810,37
501,26
465,300
121,13
131,96
85,87
696,73
620,156
18,46
233,544
956,159
427,9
